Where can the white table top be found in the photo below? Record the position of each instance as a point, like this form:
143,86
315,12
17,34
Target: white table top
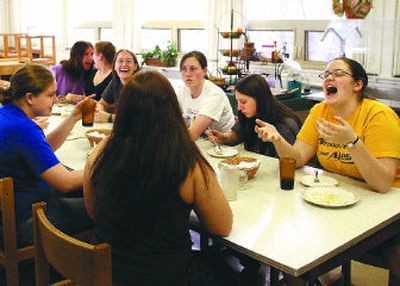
278,227
74,151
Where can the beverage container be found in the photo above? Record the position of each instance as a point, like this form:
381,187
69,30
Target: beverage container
287,167
229,176
88,111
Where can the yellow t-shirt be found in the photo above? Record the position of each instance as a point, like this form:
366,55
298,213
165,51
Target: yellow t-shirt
377,125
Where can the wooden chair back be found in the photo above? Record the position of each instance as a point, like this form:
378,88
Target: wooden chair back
37,49
79,262
10,255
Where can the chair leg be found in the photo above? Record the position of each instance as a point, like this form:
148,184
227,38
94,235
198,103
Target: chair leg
12,274
346,272
273,276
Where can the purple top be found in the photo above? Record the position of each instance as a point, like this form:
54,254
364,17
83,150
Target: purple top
65,84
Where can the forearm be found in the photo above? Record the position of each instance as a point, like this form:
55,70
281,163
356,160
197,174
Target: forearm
378,173
63,180
57,137
284,149
230,138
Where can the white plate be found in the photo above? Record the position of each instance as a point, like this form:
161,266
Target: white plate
332,197
226,152
324,181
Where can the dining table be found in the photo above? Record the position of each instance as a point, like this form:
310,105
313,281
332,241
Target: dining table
283,230
280,228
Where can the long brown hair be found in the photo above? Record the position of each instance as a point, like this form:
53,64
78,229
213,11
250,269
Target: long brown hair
135,60
73,66
268,108
148,154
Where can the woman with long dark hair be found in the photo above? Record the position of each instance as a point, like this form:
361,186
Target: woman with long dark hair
255,101
72,75
142,182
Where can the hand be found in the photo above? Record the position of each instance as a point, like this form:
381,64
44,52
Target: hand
75,98
42,122
215,136
341,133
77,112
101,116
267,132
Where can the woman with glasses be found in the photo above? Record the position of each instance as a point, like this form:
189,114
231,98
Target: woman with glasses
350,133
204,105
124,66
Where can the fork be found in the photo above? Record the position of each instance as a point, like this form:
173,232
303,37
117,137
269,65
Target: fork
316,179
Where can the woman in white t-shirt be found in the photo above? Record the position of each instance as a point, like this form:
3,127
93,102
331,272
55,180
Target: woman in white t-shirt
204,105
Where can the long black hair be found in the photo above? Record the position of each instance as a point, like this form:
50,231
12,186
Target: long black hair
148,155
73,66
268,108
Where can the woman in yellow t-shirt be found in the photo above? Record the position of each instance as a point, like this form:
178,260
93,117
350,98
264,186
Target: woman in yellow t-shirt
350,133
345,131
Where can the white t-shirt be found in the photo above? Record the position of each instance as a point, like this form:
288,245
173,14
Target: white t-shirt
212,102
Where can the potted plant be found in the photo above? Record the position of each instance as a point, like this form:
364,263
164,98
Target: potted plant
158,57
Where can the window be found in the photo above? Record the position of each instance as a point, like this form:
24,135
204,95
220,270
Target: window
87,18
153,37
317,50
174,16
192,39
284,40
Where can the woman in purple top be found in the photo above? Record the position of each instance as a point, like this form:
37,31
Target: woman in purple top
73,74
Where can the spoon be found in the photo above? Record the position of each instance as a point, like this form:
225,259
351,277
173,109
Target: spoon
217,149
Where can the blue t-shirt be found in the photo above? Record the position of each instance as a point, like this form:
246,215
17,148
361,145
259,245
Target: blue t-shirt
24,155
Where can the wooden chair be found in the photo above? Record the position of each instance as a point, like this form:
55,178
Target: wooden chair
8,45
37,49
10,255
79,262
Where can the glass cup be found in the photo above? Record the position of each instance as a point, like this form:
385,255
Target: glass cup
243,179
88,111
229,176
287,167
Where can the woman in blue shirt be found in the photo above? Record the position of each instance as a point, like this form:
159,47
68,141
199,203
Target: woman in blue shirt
27,155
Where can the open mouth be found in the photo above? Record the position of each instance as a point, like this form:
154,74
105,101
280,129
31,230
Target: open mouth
124,70
331,89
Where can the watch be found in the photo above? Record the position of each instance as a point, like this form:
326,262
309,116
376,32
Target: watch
351,144
110,119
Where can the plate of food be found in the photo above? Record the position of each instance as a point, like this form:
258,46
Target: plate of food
320,181
332,197
224,152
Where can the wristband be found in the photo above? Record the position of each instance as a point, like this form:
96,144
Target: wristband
351,144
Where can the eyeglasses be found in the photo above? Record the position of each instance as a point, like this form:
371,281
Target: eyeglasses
335,73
